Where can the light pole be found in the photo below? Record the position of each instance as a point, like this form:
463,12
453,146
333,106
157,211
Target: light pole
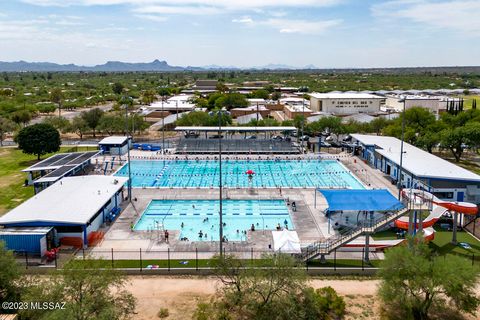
303,121
129,183
220,186
163,128
399,181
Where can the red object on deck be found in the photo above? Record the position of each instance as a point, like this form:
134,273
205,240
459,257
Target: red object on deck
76,242
95,237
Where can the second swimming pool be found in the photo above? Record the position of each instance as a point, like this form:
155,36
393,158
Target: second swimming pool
195,217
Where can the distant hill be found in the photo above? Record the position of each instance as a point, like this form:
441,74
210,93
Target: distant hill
163,66
110,66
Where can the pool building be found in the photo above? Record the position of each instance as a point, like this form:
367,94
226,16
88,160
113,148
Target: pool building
76,207
421,169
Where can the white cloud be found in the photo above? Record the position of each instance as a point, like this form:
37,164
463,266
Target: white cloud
459,15
245,20
190,10
217,3
152,17
292,26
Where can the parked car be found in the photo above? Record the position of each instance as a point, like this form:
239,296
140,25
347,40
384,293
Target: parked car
191,134
277,138
216,136
304,138
324,144
252,137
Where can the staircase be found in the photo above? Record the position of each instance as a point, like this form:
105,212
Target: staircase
326,246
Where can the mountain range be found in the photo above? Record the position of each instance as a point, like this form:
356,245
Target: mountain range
163,66
118,66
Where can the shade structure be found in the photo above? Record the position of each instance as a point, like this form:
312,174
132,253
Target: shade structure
360,200
286,241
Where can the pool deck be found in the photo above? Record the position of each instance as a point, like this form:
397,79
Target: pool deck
310,222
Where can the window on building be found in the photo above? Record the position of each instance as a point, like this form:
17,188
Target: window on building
444,195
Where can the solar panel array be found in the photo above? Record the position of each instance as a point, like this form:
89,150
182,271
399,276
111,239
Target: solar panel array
61,165
59,160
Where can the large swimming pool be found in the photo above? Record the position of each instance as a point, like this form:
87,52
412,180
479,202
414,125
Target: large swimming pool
204,173
194,216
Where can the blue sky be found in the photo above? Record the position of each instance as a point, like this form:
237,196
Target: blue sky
244,33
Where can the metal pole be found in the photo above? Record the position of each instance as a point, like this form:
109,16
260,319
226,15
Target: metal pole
112,258
399,183
129,183
141,264
168,252
163,129
220,178
303,121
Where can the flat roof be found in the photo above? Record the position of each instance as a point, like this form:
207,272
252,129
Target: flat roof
62,159
72,200
114,140
248,129
25,230
361,200
415,160
344,95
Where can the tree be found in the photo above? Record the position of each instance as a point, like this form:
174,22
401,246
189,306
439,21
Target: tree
56,96
148,97
78,126
260,94
60,123
414,281
9,275
118,88
92,118
454,140
88,294
6,125
231,100
277,291
21,117
39,139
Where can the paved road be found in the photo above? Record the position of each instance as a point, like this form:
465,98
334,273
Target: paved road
70,114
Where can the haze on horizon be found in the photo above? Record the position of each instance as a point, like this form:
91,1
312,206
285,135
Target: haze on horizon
243,33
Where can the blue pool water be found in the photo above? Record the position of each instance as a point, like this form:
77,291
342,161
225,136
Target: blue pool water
237,215
204,173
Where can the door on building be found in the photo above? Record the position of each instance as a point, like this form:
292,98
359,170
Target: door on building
460,196
389,169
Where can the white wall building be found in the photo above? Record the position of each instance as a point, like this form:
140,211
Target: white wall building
345,103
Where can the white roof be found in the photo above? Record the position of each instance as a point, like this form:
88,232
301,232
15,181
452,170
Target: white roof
113,140
415,160
344,95
359,117
249,117
248,129
72,200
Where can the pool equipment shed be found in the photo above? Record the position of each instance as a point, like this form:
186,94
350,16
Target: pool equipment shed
28,240
115,145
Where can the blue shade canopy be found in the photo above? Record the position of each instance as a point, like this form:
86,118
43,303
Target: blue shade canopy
361,200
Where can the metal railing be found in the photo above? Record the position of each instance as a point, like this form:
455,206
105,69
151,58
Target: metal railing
326,246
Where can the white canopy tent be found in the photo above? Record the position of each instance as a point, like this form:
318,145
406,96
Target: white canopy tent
286,241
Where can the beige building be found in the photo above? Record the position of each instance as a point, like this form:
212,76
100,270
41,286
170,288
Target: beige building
345,103
436,104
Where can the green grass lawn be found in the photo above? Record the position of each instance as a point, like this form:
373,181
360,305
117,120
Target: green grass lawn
469,100
443,246
389,234
12,190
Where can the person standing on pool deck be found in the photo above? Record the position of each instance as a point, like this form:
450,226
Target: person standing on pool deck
166,236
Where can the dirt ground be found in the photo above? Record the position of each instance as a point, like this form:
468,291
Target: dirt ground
181,294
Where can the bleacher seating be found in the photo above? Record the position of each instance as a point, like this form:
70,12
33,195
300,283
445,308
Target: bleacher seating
235,146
